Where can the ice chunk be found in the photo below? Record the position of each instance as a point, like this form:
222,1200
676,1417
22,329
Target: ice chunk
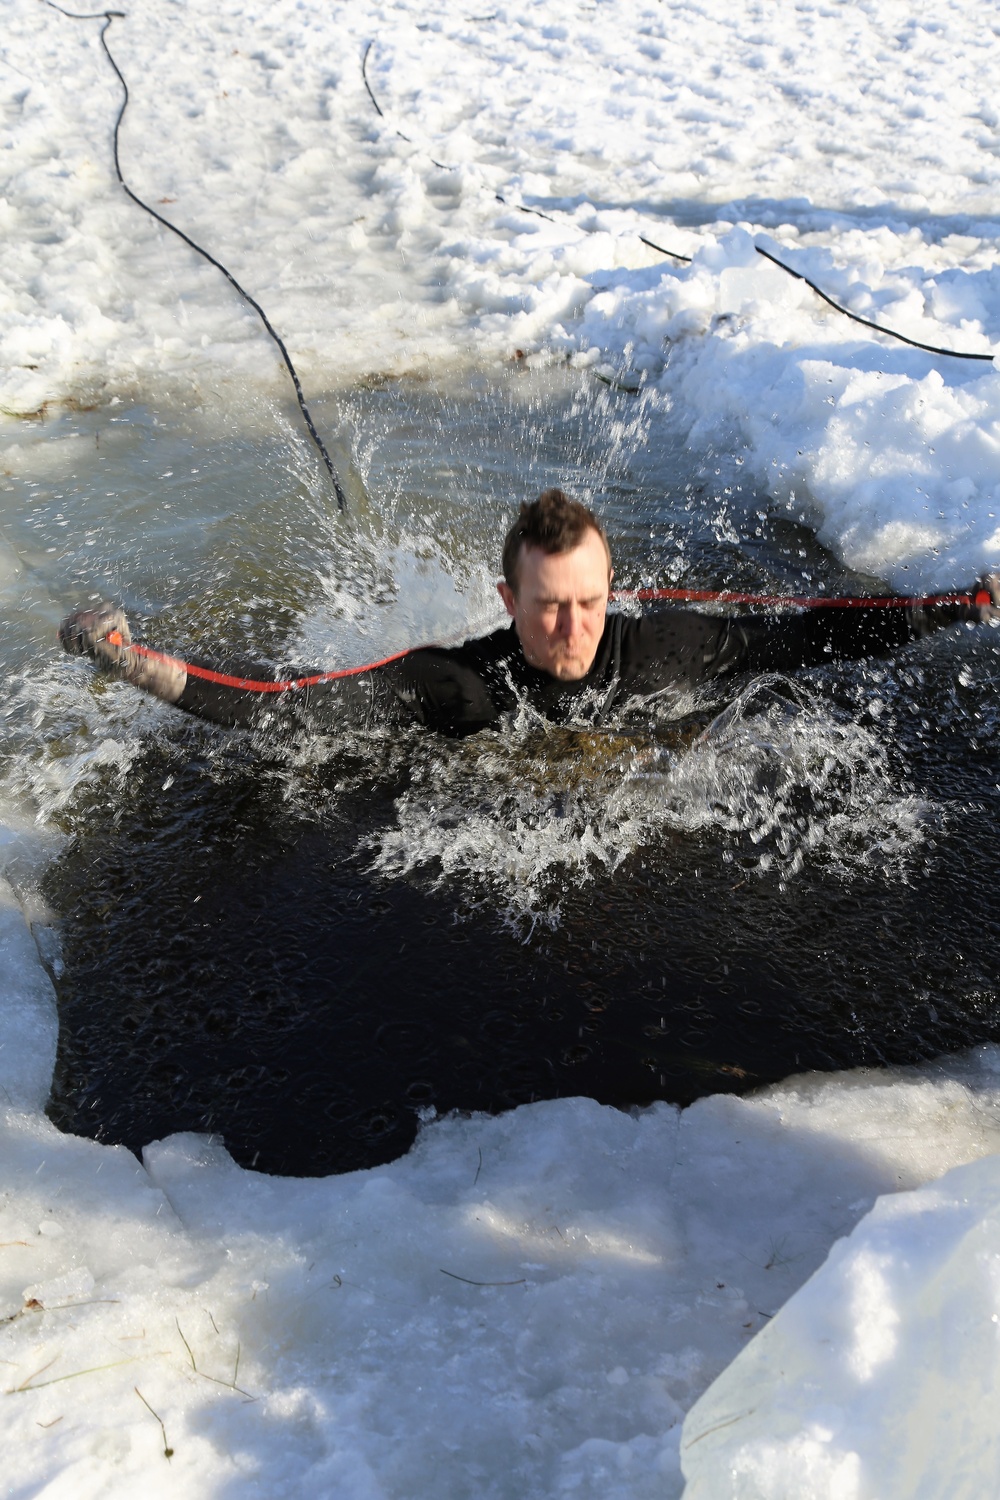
28,1023
878,1378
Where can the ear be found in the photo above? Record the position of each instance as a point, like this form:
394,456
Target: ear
507,595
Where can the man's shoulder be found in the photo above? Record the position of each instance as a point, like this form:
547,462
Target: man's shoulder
482,654
665,640
481,650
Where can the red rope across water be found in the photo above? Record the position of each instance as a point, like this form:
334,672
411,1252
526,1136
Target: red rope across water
255,684
796,601
643,596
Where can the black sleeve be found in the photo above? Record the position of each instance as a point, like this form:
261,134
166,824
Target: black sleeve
247,701
436,687
829,633
685,648
430,685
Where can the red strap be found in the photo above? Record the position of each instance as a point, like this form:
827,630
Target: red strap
255,685
795,601
644,596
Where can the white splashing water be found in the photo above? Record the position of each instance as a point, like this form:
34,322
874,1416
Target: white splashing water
782,777
62,738
779,778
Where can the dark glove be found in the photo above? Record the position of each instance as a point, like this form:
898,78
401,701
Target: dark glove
986,596
85,633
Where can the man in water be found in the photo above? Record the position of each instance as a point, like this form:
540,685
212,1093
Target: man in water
562,653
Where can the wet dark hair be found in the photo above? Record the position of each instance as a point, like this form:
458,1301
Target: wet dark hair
555,522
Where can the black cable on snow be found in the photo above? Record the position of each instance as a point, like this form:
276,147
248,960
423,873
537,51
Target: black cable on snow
107,16
521,208
378,110
867,322
856,317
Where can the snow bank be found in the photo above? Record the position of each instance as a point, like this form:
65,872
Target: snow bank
879,1378
890,453
859,144
522,1306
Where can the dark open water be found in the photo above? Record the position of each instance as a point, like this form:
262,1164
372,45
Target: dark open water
301,947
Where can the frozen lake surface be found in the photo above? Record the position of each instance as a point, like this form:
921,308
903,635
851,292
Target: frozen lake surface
308,947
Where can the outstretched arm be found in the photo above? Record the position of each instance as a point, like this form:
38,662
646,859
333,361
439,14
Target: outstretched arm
244,696
426,685
685,648
828,633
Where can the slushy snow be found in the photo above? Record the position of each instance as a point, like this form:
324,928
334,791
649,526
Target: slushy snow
859,143
531,1305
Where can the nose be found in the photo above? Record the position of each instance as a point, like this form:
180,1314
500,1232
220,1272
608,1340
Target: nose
570,618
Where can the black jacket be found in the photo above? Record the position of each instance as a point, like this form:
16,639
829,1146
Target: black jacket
461,689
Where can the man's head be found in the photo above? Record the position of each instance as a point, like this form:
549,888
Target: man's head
557,572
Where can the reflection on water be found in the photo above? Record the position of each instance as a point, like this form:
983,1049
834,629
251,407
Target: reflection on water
300,944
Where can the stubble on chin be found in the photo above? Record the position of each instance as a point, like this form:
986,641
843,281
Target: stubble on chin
568,670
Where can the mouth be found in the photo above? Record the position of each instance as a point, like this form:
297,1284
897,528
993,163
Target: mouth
570,667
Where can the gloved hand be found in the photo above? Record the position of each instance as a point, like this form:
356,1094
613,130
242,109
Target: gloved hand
103,634
85,633
986,594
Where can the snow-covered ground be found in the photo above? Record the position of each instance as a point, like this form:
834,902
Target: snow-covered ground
629,1260
522,1306
861,142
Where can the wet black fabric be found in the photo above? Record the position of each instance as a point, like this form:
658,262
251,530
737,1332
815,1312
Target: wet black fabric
462,689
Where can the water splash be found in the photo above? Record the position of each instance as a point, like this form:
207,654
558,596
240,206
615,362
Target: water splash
507,813
782,776
778,779
61,737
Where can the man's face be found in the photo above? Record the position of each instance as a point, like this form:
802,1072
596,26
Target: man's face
559,606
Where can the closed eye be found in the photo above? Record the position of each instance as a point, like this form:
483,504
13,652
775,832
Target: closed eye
593,603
